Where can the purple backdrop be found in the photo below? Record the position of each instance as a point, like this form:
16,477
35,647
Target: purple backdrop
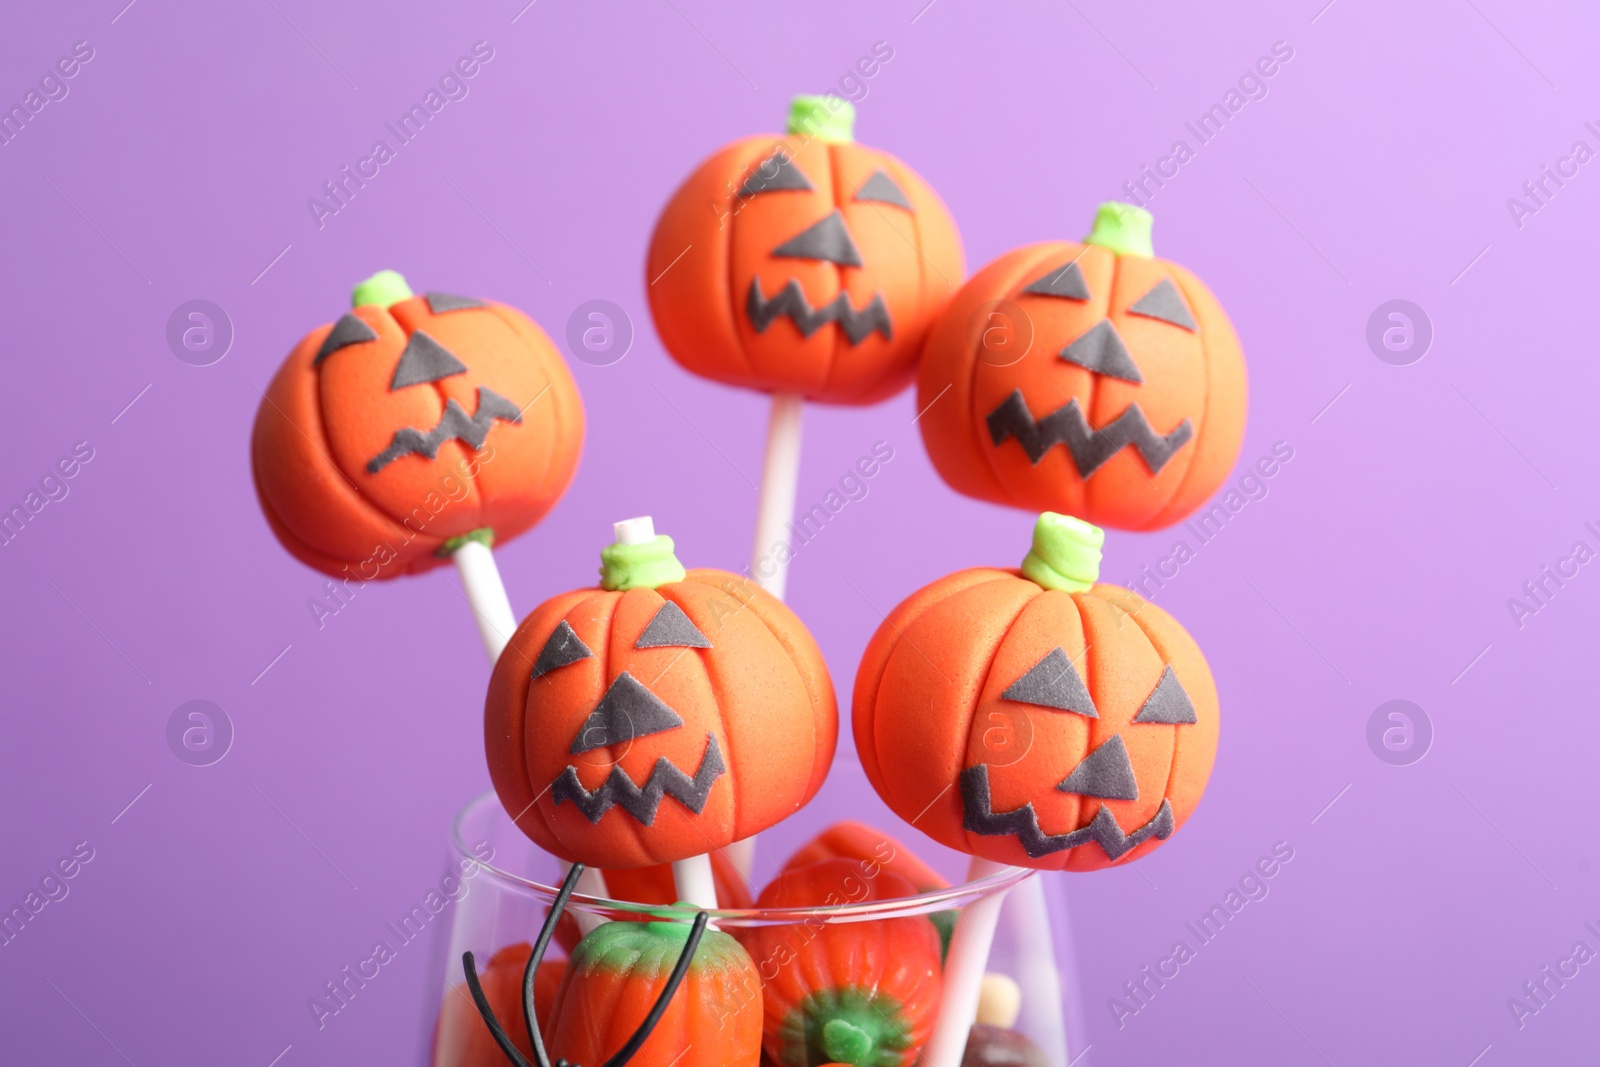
1377,564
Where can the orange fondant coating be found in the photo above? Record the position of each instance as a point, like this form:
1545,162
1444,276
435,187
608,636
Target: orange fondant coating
967,373
762,691
928,705
319,425
710,243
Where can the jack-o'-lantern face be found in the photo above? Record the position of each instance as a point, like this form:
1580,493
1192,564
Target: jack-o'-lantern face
1062,729
1092,379
806,264
411,421
632,728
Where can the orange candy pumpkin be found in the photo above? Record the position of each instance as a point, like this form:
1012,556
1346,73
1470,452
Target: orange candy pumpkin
877,850
857,841
410,423
1091,379
1035,718
663,715
861,993
462,1040
803,264
613,979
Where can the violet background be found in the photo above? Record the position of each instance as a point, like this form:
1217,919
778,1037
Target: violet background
1379,566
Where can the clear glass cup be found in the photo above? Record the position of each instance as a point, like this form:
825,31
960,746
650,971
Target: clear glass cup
499,888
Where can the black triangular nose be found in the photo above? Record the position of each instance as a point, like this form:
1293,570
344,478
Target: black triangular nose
827,240
1106,772
1103,351
425,360
628,710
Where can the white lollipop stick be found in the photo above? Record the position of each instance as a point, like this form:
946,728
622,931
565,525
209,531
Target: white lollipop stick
780,477
695,883
486,594
1044,1016
964,967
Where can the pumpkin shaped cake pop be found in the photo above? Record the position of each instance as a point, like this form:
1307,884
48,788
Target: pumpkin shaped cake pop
1035,718
412,423
805,264
658,717
1092,379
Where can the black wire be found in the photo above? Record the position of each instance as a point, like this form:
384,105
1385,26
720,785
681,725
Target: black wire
501,1038
529,1015
642,1034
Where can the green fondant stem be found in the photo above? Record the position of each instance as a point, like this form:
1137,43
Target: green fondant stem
642,566
827,118
1065,553
385,287
1123,228
484,535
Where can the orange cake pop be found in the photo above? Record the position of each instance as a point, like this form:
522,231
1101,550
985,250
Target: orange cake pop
657,717
1034,717
804,264
1091,379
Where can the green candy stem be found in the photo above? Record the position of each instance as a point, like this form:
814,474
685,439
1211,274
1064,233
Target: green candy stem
1065,553
639,564
1123,228
827,118
845,1042
385,287
845,1025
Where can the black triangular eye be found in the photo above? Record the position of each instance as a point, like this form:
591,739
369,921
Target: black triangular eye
882,188
1066,282
1168,703
1102,351
775,173
1107,772
424,360
1164,303
671,628
628,710
349,330
1053,682
439,303
826,240
563,649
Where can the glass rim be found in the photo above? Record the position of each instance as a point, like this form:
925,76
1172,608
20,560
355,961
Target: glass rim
953,896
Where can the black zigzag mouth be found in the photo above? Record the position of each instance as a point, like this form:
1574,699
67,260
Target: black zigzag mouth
454,425
790,302
1090,448
1023,823
642,802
